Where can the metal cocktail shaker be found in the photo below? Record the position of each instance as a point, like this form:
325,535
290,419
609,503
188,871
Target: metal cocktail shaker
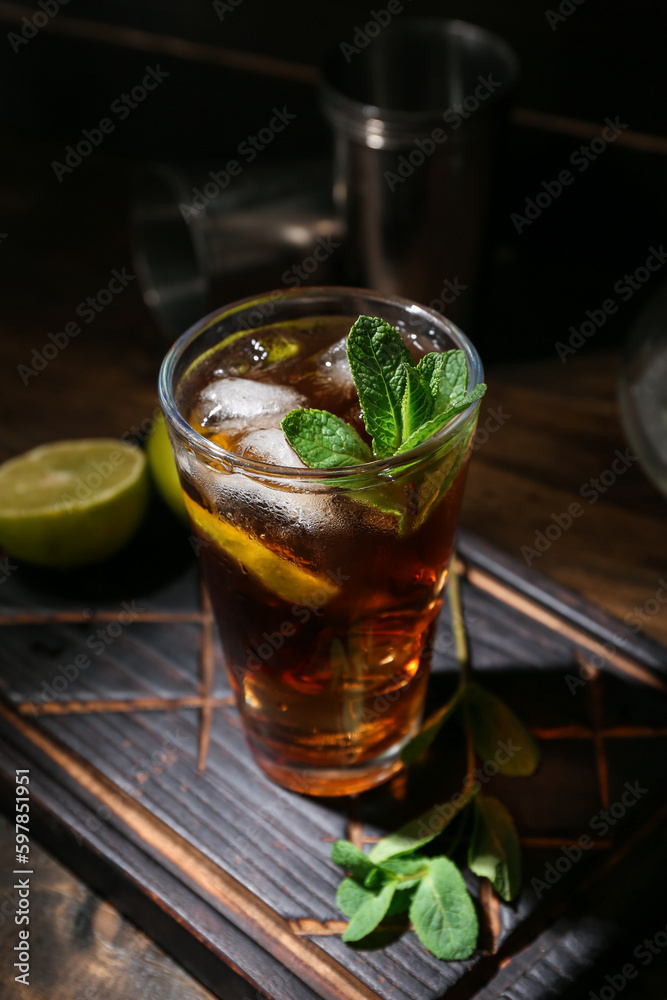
416,108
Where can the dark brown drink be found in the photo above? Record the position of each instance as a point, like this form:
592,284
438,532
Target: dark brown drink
325,589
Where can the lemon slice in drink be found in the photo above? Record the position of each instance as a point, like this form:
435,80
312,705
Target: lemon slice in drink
290,582
72,503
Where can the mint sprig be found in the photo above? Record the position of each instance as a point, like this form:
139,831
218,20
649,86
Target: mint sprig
403,404
395,878
378,361
325,441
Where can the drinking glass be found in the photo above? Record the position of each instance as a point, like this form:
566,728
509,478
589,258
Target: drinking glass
326,584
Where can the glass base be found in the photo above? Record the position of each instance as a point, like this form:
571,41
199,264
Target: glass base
331,781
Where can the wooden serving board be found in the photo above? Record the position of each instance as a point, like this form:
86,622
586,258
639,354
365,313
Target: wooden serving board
107,684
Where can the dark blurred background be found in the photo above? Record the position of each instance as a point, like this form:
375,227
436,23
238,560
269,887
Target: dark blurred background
230,63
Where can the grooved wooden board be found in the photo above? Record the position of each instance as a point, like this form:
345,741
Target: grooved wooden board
232,873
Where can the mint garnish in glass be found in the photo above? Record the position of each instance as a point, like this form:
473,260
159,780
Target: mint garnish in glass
403,404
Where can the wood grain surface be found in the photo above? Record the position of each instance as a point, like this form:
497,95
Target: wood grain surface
87,950
253,858
562,431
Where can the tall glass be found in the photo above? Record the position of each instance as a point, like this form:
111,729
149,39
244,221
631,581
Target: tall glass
325,584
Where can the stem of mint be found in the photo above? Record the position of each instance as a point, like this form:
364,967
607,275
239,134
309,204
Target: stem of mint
394,877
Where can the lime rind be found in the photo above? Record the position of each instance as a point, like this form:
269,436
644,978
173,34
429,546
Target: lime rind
163,469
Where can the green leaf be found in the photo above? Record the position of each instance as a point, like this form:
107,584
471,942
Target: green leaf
498,735
406,870
376,879
429,730
347,856
446,375
494,850
371,912
350,896
443,914
324,441
402,899
377,354
436,423
421,830
417,403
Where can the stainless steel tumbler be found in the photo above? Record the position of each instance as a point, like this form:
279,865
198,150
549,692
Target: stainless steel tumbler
416,106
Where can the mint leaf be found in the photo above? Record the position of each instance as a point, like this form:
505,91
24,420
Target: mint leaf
443,914
421,830
437,422
350,896
377,878
324,441
401,901
371,912
417,403
499,735
494,851
347,856
446,375
406,870
429,730
377,355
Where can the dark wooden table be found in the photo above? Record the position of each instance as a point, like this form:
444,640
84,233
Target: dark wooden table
547,430
560,429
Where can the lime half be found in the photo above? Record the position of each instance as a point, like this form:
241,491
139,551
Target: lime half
162,464
72,503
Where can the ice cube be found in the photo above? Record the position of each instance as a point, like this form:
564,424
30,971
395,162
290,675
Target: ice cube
265,505
244,401
269,446
333,368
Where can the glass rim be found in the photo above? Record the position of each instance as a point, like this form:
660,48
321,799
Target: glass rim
240,463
